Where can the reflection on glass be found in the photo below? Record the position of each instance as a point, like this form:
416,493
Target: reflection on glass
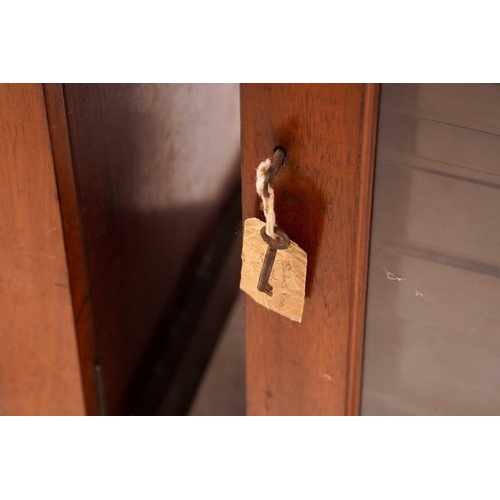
432,344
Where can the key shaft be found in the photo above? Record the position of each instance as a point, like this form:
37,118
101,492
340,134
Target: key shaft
265,273
280,242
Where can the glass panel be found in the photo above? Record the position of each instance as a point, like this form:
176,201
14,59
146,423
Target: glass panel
432,341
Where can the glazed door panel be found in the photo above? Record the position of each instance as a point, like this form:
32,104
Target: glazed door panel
433,315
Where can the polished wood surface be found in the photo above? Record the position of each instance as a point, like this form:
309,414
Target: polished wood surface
73,240
39,368
323,204
152,166
362,244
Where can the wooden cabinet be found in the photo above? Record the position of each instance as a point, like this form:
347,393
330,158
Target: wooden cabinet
39,364
432,344
323,201
107,193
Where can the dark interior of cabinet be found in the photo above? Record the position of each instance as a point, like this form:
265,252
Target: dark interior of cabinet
156,175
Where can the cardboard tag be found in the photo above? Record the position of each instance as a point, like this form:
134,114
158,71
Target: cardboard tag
288,277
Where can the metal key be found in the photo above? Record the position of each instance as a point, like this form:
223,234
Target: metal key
281,242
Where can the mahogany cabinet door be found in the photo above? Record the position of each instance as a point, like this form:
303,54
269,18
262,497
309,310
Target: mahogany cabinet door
323,202
39,365
109,195
431,287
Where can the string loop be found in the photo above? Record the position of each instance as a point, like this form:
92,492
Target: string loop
266,173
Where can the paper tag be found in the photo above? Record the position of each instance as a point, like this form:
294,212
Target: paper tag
288,277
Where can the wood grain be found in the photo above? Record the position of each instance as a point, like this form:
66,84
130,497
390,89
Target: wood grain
323,203
288,274
39,369
73,240
362,243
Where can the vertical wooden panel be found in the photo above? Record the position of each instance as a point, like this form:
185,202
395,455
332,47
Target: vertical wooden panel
366,162
323,203
39,370
73,239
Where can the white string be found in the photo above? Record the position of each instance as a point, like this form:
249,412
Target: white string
267,203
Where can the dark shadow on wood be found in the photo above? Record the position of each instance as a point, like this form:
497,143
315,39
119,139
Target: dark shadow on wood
173,367
299,203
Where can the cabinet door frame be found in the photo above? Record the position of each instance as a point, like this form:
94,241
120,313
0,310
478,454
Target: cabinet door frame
323,201
39,356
